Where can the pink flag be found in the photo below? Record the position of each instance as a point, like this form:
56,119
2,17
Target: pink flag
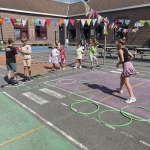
72,21
13,20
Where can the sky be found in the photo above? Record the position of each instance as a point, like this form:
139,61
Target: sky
68,1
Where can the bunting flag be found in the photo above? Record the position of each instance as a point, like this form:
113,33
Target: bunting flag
19,21
121,21
111,20
116,20
142,22
24,21
99,19
66,21
148,21
42,22
86,12
37,22
91,12
72,21
13,20
48,22
1,21
78,20
94,21
83,22
7,20
31,21
88,21
127,22
54,21
60,22
105,28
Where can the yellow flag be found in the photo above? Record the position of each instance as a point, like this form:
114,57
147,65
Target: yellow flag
142,22
88,21
31,21
148,21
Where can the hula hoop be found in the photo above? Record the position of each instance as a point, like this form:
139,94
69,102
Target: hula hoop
113,125
28,88
59,81
84,113
45,86
129,116
84,99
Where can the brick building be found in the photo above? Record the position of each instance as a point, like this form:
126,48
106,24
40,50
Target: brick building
134,10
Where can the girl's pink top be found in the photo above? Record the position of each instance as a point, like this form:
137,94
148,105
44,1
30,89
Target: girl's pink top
62,53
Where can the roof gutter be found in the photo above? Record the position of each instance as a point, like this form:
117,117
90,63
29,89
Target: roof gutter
116,9
32,12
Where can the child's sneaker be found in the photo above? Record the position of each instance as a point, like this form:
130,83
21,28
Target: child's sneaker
119,91
63,69
80,67
60,68
131,100
74,67
92,67
98,66
53,69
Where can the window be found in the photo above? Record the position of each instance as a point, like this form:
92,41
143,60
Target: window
72,31
85,31
20,31
99,32
40,32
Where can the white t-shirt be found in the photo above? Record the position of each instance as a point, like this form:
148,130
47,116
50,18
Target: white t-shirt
79,53
27,49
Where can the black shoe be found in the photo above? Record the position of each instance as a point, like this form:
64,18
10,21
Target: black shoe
9,82
92,67
28,78
15,82
31,78
98,66
25,79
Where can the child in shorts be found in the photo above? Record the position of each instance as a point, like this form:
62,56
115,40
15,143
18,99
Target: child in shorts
26,52
62,57
54,57
79,52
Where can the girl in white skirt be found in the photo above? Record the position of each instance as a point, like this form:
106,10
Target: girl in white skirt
128,69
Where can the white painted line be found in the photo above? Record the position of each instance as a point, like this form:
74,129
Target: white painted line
128,135
47,77
52,93
64,104
53,75
96,120
118,72
35,98
119,69
145,143
49,123
111,127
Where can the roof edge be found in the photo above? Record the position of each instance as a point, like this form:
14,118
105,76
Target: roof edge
116,9
32,12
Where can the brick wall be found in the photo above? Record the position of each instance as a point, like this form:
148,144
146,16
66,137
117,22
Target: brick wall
140,38
8,30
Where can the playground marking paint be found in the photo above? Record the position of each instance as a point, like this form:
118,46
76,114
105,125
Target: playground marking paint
48,123
52,93
35,98
21,136
115,94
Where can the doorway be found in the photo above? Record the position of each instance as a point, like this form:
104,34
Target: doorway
62,35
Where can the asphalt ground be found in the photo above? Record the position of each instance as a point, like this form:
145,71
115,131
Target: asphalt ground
41,118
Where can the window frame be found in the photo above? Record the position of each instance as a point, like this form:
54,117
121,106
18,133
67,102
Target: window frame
82,28
41,28
102,27
73,28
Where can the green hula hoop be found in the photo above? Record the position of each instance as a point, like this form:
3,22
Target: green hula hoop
84,99
28,88
45,86
113,125
77,88
129,116
84,113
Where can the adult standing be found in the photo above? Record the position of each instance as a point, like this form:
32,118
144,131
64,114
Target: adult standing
11,55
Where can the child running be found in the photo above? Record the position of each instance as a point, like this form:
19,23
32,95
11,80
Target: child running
79,52
93,53
128,69
54,57
26,52
62,57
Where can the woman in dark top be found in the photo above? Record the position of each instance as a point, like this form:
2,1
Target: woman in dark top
128,69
